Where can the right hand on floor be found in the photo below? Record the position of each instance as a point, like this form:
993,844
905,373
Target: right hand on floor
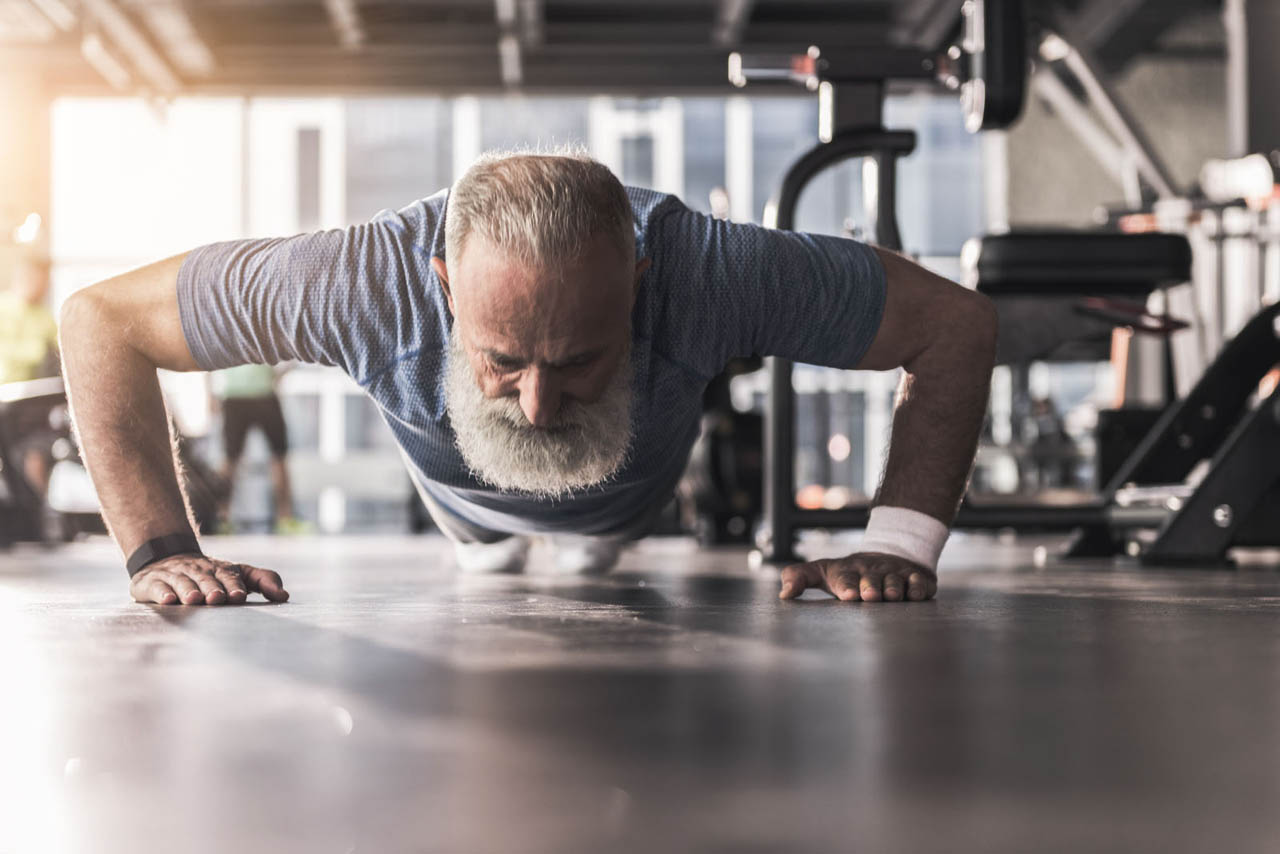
199,580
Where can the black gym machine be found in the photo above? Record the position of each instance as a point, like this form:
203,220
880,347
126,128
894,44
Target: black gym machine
1207,475
25,515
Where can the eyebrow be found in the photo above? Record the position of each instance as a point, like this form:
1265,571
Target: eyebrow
583,356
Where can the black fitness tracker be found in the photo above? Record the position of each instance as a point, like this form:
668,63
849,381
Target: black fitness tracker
161,548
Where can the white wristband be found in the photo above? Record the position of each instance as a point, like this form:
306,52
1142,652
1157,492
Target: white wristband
908,534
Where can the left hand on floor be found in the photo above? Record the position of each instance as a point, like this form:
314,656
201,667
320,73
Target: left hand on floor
865,576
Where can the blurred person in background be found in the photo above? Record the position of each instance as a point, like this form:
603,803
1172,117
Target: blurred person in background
246,398
29,351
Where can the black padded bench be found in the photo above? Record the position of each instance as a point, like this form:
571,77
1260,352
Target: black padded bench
1038,280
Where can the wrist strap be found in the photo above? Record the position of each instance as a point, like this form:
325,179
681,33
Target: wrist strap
161,548
909,534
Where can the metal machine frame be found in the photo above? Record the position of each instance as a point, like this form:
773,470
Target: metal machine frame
1236,503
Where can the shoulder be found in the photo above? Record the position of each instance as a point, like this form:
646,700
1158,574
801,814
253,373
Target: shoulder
418,226
653,211
403,316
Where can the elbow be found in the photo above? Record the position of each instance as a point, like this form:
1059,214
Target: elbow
966,335
75,318
82,321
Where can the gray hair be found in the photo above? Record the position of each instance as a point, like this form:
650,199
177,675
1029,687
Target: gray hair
542,209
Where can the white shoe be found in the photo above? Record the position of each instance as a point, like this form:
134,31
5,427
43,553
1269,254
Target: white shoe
582,555
507,555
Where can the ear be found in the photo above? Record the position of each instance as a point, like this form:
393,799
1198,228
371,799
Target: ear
437,264
642,266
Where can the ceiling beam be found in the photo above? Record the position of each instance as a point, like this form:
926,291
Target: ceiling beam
925,24
169,22
655,31
1098,20
1116,31
510,61
58,13
21,22
731,22
137,49
344,17
532,21
102,59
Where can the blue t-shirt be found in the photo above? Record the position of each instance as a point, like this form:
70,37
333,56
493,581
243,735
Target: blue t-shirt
365,299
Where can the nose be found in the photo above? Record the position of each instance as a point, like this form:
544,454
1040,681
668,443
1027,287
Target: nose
540,396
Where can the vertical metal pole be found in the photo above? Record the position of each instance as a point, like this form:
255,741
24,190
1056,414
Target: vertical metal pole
887,234
778,540
1234,23
1220,291
822,419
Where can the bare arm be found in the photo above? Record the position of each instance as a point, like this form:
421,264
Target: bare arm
114,335
945,338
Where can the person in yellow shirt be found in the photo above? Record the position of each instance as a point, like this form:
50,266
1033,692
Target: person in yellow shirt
28,332
29,351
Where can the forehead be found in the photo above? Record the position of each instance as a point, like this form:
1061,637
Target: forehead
501,300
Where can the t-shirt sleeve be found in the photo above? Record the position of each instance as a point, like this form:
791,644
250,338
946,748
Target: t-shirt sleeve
747,290
334,297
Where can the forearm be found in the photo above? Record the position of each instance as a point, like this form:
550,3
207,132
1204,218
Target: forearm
122,426
942,402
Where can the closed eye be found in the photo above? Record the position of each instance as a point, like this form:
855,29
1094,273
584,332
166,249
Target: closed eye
507,364
504,363
581,361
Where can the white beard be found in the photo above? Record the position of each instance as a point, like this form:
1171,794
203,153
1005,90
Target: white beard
585,446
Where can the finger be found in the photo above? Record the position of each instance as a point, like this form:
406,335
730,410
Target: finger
869,588
797,578
233,581
793,583
188,591
843,583
266,582
803,576
214,593
156,590
892,587
917,587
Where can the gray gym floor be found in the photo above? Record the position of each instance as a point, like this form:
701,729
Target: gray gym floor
673,706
